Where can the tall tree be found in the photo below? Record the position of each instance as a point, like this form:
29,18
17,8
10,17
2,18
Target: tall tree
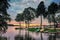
52,9
26,14
41,12
4,16
19,18
29,14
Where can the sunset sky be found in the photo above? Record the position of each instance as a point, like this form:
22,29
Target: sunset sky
17,6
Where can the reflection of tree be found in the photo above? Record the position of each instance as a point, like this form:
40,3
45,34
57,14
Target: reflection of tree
3,38
41,12
27,37
52,37
18,37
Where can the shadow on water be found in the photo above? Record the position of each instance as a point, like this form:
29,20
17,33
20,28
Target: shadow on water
2,31
23,35
18,37
29,37
52,37
3,38
26,37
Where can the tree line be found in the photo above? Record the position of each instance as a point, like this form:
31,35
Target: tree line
41,11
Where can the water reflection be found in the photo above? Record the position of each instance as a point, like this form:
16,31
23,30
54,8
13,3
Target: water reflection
13,34
3,38
18,37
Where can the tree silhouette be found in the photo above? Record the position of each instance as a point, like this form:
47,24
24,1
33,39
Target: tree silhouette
29,14
19,18
4,16
52,9
41,12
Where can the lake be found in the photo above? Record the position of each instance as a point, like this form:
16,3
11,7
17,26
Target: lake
12,33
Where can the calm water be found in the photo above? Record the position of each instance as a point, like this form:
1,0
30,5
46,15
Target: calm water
11,33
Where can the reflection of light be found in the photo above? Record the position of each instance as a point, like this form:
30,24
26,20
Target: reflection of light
30,25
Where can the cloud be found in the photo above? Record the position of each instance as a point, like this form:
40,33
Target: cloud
19,5
25,3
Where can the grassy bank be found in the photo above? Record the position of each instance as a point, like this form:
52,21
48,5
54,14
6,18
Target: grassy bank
49,30
34,29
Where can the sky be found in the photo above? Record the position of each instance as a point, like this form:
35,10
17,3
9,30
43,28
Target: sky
17,6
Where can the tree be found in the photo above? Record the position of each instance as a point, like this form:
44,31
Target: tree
26,14
29,14
52,9
4,16
41,12
19,18
4,5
